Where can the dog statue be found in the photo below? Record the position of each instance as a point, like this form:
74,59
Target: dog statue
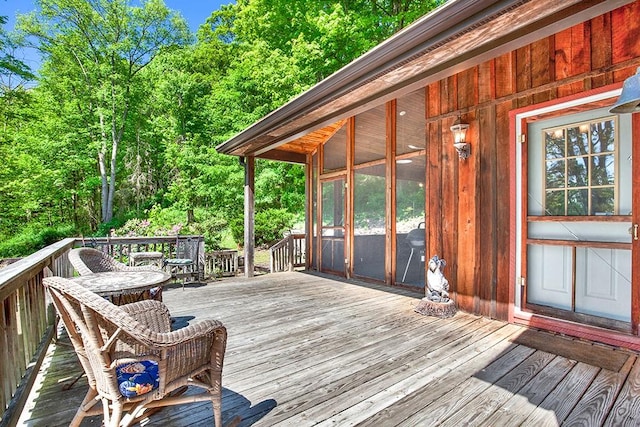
437,285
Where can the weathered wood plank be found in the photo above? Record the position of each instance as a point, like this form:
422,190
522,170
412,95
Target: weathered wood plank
448,168
542,69
601,49
520,405
626,22
581,351
487,246
467,83
486,81
504,217
457,399
485,404
505,77
597,401
5,390
523,67
365,379
444,376
626,409
557,405
330,352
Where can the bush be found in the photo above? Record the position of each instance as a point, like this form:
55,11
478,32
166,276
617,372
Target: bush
171,222
271,224
269,227
33,239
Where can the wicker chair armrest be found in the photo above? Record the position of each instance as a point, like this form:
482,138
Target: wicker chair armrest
151,313
152,340
204,328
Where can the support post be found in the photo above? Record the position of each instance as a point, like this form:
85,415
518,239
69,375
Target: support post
249,215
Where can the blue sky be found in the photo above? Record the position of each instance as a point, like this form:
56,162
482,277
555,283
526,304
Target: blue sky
194,11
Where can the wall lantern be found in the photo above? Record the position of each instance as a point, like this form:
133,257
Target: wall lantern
460,143
629,100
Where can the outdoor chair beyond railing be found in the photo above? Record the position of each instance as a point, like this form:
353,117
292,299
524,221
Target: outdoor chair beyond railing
120,341
184,265
89,261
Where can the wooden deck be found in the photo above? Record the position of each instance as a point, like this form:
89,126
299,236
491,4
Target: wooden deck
306,350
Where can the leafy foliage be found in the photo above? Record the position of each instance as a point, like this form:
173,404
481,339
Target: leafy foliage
119,131
32,239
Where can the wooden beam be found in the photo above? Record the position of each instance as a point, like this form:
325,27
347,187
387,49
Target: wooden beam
284,156
249,215
390,195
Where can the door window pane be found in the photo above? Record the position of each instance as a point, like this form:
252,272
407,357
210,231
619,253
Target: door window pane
580,168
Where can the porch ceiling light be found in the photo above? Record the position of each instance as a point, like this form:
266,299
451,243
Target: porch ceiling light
629,100
460,143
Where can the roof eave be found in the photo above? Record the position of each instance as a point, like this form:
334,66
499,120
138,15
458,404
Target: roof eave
432,31
386,55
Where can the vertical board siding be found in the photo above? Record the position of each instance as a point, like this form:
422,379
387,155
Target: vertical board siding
487,211
624,39
465,284
601,57
486,81
468,202
541,73
504,172
504,76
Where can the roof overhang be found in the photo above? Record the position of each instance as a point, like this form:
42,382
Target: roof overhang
458,35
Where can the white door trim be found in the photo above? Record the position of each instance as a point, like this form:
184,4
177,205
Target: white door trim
518,169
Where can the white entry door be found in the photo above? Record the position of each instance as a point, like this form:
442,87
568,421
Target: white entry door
577,196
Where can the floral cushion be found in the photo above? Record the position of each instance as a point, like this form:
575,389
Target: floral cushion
137,378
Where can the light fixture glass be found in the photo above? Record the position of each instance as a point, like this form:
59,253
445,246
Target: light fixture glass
629,99
403,161
460,143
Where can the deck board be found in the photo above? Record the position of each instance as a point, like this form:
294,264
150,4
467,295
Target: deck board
307,350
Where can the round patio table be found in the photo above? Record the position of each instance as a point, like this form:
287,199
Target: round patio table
123,287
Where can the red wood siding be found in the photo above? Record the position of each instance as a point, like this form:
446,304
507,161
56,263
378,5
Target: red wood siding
468,204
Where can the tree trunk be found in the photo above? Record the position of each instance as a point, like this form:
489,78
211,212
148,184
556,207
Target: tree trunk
112,182
103,169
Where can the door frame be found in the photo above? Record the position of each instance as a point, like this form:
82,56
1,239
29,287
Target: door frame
517,131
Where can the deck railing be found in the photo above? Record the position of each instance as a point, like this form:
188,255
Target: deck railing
121,247
26,319
221,263
288,253
26,324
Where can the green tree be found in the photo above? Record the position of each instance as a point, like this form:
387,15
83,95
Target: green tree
13,72
97,49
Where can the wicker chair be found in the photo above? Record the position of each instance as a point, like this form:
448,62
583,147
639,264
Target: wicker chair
89,260
106,336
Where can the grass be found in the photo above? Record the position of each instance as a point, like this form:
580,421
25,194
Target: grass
261,257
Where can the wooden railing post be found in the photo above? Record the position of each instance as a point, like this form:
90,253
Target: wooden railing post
290,250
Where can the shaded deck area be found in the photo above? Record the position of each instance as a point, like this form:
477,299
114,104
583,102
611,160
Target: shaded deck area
307,350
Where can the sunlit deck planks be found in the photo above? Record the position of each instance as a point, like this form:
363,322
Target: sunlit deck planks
306,350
